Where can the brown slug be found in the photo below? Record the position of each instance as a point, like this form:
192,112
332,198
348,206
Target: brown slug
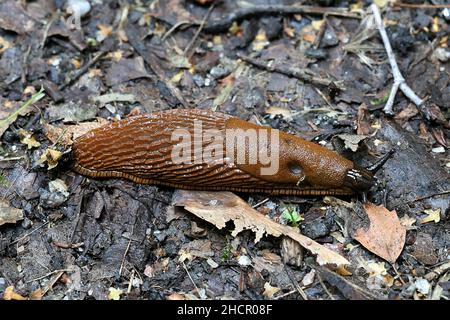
205,150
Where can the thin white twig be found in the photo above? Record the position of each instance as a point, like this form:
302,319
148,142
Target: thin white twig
399,81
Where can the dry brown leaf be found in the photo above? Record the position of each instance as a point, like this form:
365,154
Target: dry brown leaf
51,156
220,207
194,249
9,214
66,134
11,295
385,236
432,215
270,291
176,296
27,139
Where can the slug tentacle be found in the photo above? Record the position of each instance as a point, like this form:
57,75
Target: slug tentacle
205,150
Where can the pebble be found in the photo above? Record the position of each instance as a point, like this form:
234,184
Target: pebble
80,6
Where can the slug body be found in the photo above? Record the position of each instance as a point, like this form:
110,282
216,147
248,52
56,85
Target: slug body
205,150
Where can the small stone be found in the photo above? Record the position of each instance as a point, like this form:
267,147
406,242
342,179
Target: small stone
438,150
422,285
80,7
441,54
198,80
244,260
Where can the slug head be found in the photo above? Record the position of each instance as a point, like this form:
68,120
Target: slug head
359,179
362,179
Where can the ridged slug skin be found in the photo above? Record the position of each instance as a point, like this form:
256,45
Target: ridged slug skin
139,148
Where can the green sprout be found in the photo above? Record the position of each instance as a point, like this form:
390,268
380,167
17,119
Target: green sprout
226,253
291,215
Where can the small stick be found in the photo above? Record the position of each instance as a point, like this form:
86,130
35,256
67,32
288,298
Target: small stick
422,6
223,24
190,278
82,70
29,233
200,28
399,81
301,74
324,287
174,27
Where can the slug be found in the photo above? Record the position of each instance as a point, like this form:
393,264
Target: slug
205,150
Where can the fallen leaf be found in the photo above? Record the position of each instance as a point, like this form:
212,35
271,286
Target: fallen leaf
194,249
408,222
308,279
260,41
65,135
341,270
432,215
104,31
58,185
385,236
27,139
9,294
270,291
175,296
51,156
37,294
287,114
114,294
381,3
373,268
125,70
351,141
317,24
4,44
9,214
220,207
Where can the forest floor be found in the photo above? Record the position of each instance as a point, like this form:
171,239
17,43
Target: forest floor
317,71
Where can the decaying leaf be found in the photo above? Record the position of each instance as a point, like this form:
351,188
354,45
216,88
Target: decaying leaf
114,294
27,139
220,207
66,134
351,141
9,214
432,215
51,157
194,249
23,109
408,222
287,114
385,236
11,295
176,296
270,291
308,279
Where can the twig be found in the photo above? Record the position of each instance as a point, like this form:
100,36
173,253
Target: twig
202,24
422,6
324,286
149,57
399,81
190,278
224,23
301,74
82,70
174,27
430,196
125,253
47,275
29,233
437,271
260,203
295,284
